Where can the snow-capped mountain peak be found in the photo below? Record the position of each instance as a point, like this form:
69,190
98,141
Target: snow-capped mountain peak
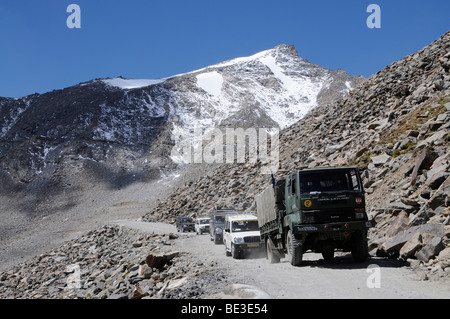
135,123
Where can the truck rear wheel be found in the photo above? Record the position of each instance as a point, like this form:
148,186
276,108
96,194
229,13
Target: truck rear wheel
361,249
294,249
328,250
328,254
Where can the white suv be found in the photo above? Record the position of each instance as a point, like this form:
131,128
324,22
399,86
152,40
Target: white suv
241,235
202,225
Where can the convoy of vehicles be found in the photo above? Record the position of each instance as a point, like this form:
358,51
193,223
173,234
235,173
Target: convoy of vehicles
318,210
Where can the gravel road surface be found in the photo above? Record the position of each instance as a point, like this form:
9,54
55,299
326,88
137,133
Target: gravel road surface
342,278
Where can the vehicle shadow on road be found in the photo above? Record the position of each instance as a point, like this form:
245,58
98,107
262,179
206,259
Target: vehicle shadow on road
345,261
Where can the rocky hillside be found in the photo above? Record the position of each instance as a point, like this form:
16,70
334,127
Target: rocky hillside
115,263
397,125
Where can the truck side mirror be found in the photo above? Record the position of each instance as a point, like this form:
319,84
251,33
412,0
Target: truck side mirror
227,230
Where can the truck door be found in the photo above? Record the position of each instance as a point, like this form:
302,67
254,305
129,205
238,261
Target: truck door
292,194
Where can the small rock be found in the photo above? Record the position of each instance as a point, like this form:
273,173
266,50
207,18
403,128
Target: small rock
380,160
409,201
241,291
137,244
434,181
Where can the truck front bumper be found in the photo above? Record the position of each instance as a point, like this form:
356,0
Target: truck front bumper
188,228
203,229
334,227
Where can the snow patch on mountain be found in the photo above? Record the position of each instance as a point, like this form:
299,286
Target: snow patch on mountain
211,82
13,117
128,84
242,59
290,85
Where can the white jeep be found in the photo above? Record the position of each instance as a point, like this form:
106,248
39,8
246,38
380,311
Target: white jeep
241,235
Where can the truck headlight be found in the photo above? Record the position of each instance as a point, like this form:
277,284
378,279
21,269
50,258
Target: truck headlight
238,240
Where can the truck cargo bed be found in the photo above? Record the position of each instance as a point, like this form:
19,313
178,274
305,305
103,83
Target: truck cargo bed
266,207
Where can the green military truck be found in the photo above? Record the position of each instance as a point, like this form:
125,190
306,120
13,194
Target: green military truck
320,209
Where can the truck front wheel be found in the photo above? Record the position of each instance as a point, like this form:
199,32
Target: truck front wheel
294,249
234,253
227,253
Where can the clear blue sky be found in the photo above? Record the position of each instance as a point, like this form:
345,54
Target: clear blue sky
154,39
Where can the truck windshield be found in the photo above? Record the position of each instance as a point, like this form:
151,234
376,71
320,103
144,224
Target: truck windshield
329,181
219,219
244,225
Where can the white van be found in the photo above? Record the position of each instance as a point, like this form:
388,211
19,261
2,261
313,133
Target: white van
241,235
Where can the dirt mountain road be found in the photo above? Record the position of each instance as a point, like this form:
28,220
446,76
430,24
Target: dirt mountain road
375,278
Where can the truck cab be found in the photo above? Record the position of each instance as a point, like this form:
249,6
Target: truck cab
324,195
241,235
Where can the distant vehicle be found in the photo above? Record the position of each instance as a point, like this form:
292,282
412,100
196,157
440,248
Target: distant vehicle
202,225
241,235
185,223
320,209
217,222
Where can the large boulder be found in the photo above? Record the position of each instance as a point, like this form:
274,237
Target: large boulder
432,249
441,196
424,161
160,259
393,245
411,246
